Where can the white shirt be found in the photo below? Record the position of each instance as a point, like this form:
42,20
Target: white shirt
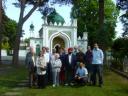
47,57
40,63
70,58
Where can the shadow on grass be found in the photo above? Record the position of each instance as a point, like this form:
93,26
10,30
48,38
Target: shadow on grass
8,83
122,90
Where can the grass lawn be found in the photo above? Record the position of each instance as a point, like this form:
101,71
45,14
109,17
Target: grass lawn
10,76
114,85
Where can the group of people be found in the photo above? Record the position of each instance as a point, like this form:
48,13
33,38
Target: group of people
67,67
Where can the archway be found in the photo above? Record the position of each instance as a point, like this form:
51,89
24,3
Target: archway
58,43
61,37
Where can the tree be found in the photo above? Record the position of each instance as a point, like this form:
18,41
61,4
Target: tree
101,14
1,25
0,29
87,13
119,51
10,31
101,19
123,5
41,4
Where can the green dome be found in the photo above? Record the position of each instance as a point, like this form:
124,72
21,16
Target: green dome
54,17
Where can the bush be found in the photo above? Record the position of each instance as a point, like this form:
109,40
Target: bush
117,64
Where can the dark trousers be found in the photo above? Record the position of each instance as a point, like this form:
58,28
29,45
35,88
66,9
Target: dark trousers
81,81
32,77
89,68
41,81
97,70
49,74
69,75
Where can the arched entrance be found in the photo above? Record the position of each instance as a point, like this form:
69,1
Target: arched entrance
61,39
58,43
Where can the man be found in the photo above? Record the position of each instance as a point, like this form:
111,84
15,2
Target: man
88,62
80,56
97,65
30,63
70,61
81,75
49,72
62,71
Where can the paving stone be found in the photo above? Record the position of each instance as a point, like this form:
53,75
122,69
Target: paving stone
12,94
18,88
22,84
26,81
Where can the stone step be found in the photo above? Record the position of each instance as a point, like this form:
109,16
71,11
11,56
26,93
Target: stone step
24,81
18,88
22,84
12,94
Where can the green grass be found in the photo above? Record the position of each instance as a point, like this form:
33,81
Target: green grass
10,76
114,85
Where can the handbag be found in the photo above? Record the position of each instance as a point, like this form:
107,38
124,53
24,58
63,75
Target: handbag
43,68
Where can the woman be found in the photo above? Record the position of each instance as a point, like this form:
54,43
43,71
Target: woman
56,65
41,70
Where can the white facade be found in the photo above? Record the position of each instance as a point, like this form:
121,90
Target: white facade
58,35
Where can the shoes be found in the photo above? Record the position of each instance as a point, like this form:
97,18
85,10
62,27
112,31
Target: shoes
72,84
66,84
53,85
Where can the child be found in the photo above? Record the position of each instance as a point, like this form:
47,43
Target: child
56,65
81,75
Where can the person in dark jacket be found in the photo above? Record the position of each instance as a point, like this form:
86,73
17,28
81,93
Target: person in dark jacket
80,57
30,62
62,71
88,62
70,60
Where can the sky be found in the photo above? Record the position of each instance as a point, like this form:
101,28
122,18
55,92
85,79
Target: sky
35,19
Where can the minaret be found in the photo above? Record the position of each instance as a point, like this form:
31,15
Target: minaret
74,22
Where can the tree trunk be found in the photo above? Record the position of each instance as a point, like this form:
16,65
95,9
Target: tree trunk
22,19
0,29
17,44
101,14
15,60
101,20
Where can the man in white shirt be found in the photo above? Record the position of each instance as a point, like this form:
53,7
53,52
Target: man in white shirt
49,72
70,63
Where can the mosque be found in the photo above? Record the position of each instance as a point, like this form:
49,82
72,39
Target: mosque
54,34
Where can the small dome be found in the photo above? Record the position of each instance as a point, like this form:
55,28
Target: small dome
54,17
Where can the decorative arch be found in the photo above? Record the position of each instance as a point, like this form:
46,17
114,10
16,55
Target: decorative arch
62,35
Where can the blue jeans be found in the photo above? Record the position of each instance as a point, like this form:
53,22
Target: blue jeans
97,69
